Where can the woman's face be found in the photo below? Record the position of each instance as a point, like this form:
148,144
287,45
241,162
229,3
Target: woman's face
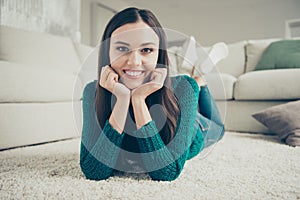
133,53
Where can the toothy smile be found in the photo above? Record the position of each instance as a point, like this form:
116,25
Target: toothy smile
133,73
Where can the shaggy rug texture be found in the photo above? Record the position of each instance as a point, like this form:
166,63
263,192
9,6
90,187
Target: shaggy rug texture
240,166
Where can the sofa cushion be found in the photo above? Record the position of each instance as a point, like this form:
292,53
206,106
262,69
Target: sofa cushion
254,51
220,85
37,49
172,54
21,83
280,55
280,84
88,71
83,51
234,63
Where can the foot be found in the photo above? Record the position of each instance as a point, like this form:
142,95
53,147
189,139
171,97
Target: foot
200,80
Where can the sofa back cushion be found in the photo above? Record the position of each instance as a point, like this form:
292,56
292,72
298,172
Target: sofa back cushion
37,49
234,63
173,59
83,51
254,51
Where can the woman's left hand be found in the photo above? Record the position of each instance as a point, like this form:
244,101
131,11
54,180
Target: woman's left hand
157,80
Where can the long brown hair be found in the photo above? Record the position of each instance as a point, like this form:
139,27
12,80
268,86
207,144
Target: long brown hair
164,97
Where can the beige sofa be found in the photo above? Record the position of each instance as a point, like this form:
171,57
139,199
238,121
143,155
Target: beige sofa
240,91
37,73
42,81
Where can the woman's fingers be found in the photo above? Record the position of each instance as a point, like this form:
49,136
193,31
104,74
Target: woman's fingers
157,80
108,77
112,78
159,76
103,76
109,80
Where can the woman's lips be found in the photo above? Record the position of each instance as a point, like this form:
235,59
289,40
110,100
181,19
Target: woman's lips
133,74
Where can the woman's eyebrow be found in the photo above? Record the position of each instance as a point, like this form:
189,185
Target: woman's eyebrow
148,43
127,44
120,42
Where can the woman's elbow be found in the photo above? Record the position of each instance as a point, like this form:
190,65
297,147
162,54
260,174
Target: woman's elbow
162,175
95,173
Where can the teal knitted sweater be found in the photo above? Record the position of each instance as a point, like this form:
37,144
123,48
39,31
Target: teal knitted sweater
101,147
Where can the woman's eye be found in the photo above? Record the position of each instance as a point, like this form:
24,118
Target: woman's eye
123,49
147,50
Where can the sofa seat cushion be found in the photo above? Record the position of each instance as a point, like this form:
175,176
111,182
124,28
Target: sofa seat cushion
279,84
220,85
21,83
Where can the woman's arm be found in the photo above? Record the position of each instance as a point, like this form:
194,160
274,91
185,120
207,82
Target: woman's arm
119,113
166,162
163,163
139,95
141,112
99,147
110,81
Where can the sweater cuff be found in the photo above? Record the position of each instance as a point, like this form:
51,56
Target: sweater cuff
112,134
149,138
147,131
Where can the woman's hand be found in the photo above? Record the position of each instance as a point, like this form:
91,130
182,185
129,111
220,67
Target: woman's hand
109,80
139,94
157,80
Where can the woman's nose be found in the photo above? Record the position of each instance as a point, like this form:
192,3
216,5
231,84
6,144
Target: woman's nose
134,59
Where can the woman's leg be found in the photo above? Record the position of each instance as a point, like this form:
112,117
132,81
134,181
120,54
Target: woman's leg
208,118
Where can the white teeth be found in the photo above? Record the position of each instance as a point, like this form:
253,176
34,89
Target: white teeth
133,73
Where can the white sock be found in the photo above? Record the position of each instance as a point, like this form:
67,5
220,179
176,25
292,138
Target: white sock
218,52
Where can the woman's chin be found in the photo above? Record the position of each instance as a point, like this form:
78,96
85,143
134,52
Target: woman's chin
132,86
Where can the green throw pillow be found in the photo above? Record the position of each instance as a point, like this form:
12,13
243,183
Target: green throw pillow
280,55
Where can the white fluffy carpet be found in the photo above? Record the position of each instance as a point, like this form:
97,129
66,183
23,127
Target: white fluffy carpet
241,166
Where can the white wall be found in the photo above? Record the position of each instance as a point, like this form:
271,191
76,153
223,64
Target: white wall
224,20
91,29
208,20
232,20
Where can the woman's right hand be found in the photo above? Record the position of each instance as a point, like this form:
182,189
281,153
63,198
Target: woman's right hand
109,80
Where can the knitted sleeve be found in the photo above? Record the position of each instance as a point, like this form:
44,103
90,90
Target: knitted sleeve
99,148
165,162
